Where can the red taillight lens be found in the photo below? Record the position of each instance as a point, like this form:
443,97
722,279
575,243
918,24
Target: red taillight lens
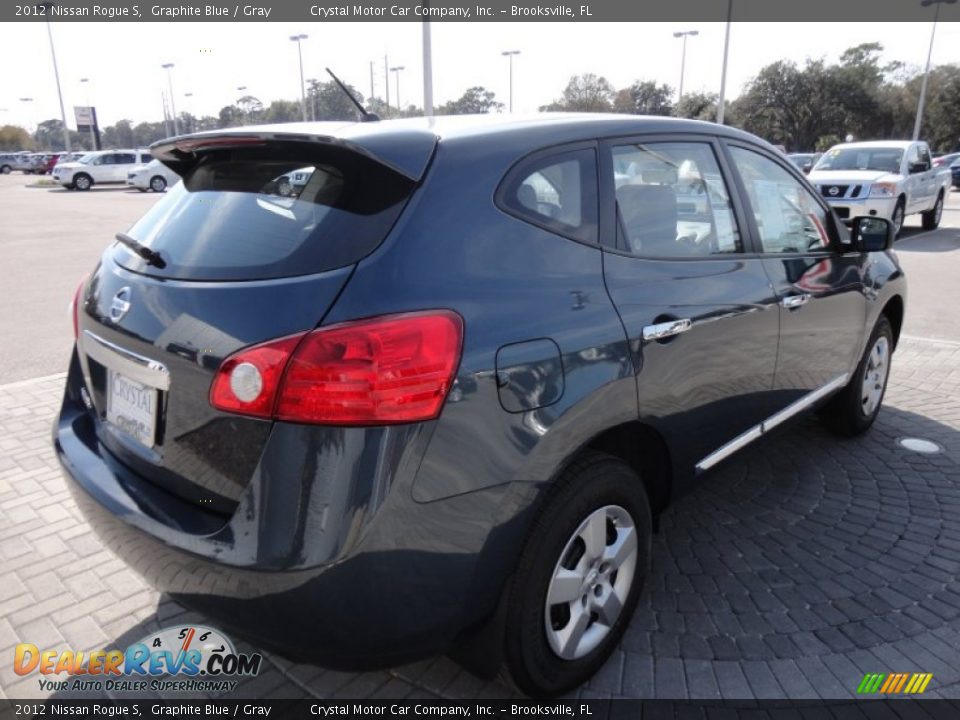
75,308
392,369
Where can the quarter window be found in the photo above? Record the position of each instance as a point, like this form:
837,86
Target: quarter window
672,201
789,218
557,193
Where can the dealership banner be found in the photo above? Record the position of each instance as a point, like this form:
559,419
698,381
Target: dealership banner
474,11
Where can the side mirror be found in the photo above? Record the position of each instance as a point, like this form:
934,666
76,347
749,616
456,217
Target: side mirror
872,234
918,167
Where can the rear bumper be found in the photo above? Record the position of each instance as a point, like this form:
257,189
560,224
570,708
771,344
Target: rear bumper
327,558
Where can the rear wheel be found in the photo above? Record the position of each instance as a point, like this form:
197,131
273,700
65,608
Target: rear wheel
931,218
579,577
5,169
158,184
82,182
854,410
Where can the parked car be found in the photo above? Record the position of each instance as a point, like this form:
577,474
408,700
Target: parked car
7,163
946,160
153,176
804,161
955,173
436,400
100,167
889,178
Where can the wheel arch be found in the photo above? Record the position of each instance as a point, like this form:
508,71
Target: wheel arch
894,309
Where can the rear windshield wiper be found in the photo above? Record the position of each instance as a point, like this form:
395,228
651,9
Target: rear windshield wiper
151,256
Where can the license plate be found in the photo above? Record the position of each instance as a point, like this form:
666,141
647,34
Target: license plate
132,407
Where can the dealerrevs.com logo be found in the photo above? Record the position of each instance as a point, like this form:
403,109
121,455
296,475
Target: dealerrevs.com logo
176,659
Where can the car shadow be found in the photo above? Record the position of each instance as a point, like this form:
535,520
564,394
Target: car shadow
943,239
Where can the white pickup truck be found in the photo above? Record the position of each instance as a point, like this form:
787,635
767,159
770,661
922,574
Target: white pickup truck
888,178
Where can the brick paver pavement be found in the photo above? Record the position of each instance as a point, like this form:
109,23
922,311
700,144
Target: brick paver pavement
800,565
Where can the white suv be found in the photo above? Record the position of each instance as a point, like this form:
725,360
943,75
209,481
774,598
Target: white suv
105,166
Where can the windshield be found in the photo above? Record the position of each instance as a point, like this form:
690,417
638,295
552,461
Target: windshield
270,213
862,158
87,159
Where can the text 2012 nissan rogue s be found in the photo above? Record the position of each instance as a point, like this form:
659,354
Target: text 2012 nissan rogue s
430,399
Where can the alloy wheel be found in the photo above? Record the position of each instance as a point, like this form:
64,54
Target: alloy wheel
875,376
591,582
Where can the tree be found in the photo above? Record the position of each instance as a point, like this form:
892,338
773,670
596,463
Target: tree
329,102
282,111
230,116
585,93
475,100
14,137
120,134
49,134
697,106
251,108
644,97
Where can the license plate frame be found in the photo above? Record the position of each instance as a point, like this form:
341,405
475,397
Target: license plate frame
132,407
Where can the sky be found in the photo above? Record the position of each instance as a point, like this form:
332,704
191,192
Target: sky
122,60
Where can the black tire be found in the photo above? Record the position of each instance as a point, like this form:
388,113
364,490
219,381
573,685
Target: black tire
594,483
82,181
847,413
6,169
158,183
931,218
142,189
899,215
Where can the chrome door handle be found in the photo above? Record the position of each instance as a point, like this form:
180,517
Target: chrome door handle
666,329
795,301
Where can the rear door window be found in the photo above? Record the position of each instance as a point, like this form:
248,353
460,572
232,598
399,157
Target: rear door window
267,212
556,191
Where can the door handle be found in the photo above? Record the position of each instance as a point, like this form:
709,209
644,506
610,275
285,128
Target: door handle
795,301
666,329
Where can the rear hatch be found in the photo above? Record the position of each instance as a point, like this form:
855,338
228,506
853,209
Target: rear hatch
236,254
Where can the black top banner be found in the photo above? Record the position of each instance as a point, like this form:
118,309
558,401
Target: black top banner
479,11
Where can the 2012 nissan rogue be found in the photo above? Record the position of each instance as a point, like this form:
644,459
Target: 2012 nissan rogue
433,398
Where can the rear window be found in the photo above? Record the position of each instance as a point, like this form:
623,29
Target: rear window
260,213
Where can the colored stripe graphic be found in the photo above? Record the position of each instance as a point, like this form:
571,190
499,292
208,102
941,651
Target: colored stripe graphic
894,683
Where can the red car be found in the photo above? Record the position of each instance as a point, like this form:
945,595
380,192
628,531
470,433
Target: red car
47,167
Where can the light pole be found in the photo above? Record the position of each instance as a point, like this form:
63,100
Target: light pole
303,91
427,66
683,58
509,54
29,112
240,89
189,110
926,73
173,107
93,137
721,101
396,72
56,75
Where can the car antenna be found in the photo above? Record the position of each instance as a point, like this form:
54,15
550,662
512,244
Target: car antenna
365,115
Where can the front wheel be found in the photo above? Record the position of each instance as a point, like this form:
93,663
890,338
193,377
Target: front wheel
899,213
82,182
579,577
158,184
855,408
931,218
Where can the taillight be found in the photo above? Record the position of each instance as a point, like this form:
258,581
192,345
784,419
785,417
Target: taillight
384,370
75,308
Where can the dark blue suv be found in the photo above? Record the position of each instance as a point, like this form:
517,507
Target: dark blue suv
432,398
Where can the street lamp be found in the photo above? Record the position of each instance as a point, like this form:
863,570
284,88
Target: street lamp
509,54
56,74
93,137
396,72
173,108
926,73
303,92
721,101
683,58
30,113
189,110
